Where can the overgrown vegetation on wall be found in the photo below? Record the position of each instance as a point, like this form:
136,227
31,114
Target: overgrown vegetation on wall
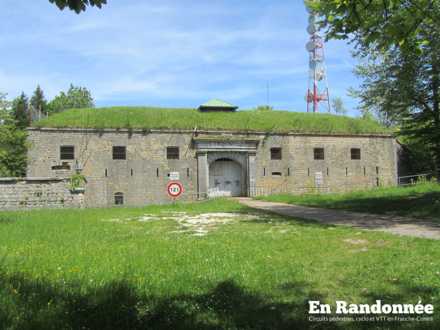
157,118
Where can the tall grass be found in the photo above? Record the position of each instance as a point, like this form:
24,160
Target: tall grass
159,118
75,269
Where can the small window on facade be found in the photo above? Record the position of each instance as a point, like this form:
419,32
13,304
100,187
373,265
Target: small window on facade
275,153
67,152
355,153
318,153
119,153
277,174
173,153
119,198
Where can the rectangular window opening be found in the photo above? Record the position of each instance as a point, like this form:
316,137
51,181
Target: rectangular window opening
377,170
328,172
264,171
67,152
157,172
355,153
119,199
172,152
106,173
277,174
187,172
318,153
119,153
288,171
275,153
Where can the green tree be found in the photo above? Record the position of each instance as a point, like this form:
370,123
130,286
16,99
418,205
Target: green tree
78,5
20,111
5,109
12,142
338,106
399,42
12,151
38,102
264,108
75,98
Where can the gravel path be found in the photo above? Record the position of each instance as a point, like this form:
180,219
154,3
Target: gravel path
387,223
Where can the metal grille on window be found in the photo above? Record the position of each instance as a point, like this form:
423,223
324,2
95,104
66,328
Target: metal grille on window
173,153
119,153
67,152
356,153
319,153
275,153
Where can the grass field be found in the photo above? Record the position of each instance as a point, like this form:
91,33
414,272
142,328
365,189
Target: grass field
158,118
124,269
419,201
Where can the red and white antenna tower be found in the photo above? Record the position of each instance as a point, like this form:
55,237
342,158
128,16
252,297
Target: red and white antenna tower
317,92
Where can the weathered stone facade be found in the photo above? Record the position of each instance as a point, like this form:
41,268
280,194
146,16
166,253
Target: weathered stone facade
21,193
142,177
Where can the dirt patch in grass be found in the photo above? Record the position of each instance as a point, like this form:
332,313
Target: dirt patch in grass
356,241
193,224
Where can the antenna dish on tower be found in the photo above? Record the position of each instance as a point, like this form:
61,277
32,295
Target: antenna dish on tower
318,87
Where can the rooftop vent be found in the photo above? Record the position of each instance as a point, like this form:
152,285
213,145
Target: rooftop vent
217,106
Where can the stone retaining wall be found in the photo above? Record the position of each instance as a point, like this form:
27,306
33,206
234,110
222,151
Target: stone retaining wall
28,193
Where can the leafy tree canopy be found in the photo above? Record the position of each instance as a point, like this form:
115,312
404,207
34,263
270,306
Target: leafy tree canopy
38,101
377,23
338,106
74,98
12,142
78,5
20,111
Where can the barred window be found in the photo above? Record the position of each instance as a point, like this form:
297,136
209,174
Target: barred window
275,153
172,152
355,153
318,153
67,152
119,198
119,153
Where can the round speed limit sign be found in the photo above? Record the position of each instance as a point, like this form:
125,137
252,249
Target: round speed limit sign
174,189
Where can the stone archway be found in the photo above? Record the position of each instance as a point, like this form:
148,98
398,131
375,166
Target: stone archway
225,178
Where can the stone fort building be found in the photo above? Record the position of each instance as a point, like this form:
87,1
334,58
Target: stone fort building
133,165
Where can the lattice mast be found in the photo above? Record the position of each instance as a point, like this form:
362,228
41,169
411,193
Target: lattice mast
318,92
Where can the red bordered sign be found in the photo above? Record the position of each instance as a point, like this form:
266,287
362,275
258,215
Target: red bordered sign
174,189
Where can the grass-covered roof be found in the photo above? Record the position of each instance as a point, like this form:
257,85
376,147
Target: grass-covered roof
188,119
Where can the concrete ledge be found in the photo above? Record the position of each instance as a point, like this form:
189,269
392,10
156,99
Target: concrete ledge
196,131
32,179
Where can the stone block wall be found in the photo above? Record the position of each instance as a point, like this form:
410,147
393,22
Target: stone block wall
143,176
32,193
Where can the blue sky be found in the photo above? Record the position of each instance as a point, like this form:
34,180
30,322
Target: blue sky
167,52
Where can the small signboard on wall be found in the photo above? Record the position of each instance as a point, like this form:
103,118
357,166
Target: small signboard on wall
174,176
319,179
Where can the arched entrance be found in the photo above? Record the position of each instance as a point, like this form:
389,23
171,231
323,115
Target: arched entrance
225,178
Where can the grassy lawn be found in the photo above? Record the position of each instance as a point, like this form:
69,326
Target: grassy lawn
123,268
419,201
157,118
